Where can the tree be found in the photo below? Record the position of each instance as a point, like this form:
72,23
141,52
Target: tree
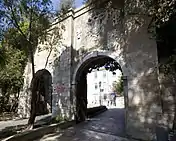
11,78
118,86
27,20
161,11
11,75
2,57
66,4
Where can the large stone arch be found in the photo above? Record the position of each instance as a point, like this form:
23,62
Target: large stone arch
95,54
91,57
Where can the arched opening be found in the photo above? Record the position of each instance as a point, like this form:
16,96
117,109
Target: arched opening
93,63
42,84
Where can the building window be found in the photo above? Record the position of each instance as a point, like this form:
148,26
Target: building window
101,90
100,84
95,74
96,86
104,84
114,73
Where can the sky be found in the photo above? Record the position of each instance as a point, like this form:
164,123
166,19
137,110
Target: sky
78,3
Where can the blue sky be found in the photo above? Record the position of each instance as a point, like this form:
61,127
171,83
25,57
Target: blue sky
78,3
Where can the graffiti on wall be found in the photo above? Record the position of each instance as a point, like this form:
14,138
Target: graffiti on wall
59,88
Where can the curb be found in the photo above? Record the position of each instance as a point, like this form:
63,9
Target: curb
39,132
97,113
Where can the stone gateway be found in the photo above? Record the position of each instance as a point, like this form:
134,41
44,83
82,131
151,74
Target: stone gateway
88,36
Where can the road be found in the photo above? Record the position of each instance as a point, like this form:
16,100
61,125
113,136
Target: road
108,126
5,125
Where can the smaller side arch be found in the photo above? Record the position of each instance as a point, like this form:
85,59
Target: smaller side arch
42,84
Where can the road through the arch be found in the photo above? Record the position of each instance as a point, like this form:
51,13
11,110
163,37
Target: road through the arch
108,126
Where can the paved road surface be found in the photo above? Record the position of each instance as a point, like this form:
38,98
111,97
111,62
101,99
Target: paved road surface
41,119
12,123
108,126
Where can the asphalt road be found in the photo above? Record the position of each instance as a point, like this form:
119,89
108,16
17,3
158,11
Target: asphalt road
108,126
12,123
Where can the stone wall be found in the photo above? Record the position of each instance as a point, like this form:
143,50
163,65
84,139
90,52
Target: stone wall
167,92
54,55
143,87
114,34
128,40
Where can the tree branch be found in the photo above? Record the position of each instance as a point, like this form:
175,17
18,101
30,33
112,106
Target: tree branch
16,23
51,48
30,21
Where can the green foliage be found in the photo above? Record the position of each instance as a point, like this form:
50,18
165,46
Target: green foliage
160,11
66,4
118,86
13,71
59,118
2,57
15,40
27,20
11,78
169,67
23,25
63,7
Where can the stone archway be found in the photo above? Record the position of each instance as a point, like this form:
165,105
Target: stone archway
42,82
79,81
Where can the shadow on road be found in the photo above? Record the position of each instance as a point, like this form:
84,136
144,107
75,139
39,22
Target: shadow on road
12,127
107,126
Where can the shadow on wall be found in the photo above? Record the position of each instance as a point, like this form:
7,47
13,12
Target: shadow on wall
64,97
24,103
62,100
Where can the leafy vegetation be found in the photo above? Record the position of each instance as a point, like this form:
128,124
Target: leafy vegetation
11,79
118,87
167,57
66,4
59,119
24,25
29,18
161,11
2,57
11,74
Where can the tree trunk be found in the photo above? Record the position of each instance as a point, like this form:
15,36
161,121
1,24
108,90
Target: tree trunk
33,95
32,61
174,122
33,111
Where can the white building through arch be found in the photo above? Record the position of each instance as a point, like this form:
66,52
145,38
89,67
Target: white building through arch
100,86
